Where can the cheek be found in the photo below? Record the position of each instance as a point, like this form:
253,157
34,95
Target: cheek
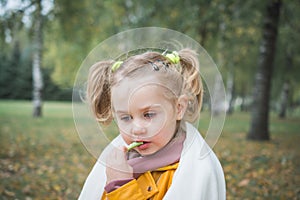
169,130
164,136
126,138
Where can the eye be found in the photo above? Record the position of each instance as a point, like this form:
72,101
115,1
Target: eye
125,118
149,115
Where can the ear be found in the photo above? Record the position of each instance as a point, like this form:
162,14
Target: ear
181,106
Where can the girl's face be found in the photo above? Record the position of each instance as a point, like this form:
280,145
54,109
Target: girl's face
144,114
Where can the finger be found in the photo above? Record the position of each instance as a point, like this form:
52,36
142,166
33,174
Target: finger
117,156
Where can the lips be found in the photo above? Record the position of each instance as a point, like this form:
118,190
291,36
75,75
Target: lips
144,146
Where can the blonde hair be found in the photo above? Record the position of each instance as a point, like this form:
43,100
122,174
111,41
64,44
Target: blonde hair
181,78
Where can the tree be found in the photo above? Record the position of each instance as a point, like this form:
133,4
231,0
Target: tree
284,99
259,127
37,61
286,79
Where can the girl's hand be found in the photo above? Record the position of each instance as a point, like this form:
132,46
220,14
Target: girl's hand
117,166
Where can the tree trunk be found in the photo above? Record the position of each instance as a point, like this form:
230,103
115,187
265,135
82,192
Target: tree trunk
285,91
259,127
284,99
243,106
203,34
218,97
230,90
37,62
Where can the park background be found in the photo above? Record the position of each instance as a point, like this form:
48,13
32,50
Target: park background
255,45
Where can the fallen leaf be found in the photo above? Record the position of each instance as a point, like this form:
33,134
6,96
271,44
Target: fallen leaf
9,193
244,182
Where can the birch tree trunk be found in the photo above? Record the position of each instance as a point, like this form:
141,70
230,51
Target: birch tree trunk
37,62
285,90
218,104
230,90
259,127
219,101
284,99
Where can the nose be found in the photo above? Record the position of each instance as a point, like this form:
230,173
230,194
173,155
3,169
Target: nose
138,128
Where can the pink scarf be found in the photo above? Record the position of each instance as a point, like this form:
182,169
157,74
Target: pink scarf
167,155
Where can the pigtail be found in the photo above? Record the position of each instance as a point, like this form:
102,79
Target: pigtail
99,91
192,83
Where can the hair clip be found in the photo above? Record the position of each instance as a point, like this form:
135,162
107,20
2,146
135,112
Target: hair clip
116,66
163,63
165,52
173,57
155,67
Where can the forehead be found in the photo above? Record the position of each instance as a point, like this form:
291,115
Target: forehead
133,93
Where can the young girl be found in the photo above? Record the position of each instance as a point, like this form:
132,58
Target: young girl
153,98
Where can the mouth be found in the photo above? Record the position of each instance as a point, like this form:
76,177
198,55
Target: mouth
134,144
144,146
140,145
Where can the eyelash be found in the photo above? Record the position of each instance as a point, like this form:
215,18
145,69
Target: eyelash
126,118
147,115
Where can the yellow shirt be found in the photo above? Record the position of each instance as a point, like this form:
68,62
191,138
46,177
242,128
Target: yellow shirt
150,185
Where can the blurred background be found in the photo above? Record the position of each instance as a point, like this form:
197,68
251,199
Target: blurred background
255,45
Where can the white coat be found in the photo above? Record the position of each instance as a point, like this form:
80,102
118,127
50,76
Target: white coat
199,175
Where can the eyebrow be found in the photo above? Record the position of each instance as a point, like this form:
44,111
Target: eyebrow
141,109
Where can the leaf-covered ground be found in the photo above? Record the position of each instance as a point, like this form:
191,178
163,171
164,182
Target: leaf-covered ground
44,158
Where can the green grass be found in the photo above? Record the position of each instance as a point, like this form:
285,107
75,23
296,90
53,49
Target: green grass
44,158
260,170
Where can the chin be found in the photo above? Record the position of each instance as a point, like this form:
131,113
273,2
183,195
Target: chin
147,152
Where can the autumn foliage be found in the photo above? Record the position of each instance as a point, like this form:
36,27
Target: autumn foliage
44,158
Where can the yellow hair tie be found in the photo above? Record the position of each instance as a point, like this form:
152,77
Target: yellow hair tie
173,57
116,66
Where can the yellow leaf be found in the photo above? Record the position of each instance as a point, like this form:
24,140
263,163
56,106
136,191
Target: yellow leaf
244,182
56,187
